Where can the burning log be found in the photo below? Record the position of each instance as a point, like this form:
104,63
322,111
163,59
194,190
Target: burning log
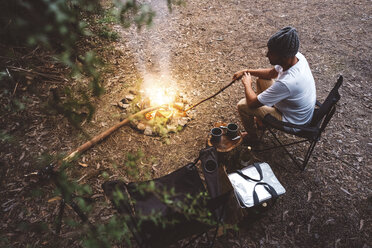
179,105
165,113
158,91
166,119
171,117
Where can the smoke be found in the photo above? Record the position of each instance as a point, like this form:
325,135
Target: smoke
151,46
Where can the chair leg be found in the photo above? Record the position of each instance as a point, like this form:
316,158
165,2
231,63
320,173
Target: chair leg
219,220
60,214
308,154
285,149
275,146
211,241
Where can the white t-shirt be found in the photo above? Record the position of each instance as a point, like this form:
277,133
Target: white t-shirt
293,93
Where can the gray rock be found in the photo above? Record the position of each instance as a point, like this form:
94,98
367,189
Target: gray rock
148,131
141,126
129,97
123,105
171,128
183,121
124,101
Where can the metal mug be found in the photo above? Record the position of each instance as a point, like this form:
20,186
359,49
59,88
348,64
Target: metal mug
216,134
232,130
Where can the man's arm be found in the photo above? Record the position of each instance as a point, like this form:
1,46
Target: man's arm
267,73
250,95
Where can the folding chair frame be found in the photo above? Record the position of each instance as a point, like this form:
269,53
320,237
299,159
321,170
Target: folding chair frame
212,241
217,204
311,133
297,163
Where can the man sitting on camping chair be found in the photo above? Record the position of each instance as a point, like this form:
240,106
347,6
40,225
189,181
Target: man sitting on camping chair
290,97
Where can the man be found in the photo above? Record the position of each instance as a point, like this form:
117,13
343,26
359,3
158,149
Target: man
290,98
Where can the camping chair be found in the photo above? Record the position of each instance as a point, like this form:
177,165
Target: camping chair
310,132
162,201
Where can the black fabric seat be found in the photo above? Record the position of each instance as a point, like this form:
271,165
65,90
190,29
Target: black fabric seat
310,132
160,199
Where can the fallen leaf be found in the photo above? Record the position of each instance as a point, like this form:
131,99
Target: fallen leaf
22,156
154,167
337,242
83,165
309,194
344,190
361,224
285,214
56,198
81,178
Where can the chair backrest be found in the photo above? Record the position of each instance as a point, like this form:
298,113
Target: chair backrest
187,187
146,202
322,115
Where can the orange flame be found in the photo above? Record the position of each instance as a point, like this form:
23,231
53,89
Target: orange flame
161,91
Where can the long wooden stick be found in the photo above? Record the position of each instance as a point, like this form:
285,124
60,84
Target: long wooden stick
106,133
206,99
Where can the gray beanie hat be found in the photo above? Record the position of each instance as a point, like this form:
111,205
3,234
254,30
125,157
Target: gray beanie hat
285,42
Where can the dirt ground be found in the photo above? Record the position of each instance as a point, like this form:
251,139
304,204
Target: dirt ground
201,45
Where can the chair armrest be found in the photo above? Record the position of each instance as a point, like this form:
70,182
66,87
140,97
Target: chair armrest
275,123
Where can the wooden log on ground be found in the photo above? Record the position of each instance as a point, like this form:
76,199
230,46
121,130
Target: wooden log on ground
106,133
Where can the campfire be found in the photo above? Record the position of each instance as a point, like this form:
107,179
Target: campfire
169,117
169,111
171,102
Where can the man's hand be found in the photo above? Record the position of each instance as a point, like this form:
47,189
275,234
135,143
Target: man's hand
250,95
239,74
247,79
268,73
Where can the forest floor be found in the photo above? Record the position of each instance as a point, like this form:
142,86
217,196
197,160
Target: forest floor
201,45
